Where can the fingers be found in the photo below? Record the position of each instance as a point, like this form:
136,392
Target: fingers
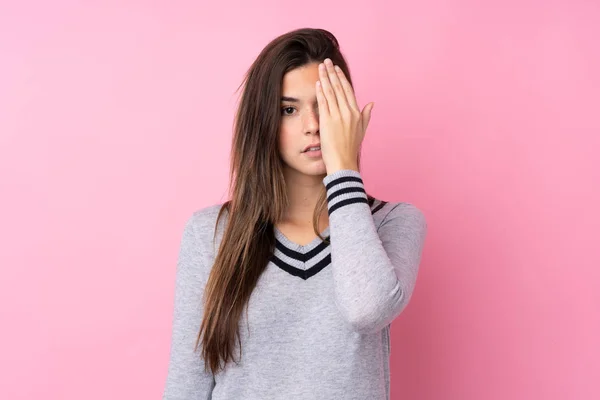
335,94
321,100
336,85
350,98
366,116
328,91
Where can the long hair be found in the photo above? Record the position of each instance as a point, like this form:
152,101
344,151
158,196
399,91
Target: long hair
257,189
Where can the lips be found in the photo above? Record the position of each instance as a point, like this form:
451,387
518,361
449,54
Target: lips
311,145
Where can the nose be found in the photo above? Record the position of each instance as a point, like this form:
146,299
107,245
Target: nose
311,121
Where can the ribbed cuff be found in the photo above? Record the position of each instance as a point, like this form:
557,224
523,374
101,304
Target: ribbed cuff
344,187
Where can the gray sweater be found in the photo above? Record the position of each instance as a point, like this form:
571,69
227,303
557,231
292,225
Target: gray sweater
318,323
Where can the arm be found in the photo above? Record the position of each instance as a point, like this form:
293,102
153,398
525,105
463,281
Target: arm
374,269
186,378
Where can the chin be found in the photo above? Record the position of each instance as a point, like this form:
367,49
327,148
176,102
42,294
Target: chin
316,168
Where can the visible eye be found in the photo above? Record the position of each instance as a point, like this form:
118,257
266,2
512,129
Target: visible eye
283,110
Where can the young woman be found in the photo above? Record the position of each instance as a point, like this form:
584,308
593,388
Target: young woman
301,273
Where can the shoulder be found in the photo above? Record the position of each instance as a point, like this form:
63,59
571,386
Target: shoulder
204,217
399,213
200,227
407,210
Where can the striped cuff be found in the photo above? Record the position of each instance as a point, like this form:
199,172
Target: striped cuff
344,187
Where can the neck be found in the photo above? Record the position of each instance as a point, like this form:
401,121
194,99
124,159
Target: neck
303,193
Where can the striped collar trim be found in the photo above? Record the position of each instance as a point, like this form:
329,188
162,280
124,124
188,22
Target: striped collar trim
308,260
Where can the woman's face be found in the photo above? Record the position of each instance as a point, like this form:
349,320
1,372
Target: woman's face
300,120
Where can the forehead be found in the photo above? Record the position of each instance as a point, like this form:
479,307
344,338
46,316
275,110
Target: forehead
301,81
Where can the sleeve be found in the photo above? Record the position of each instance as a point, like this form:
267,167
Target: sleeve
374,269
186,377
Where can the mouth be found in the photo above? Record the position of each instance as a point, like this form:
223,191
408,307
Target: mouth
313,153
316,147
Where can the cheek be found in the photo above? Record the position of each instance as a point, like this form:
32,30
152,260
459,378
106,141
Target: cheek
285,141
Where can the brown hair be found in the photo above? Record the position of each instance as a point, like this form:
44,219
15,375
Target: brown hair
257,188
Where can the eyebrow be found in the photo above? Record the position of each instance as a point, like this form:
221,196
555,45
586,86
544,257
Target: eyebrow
291,99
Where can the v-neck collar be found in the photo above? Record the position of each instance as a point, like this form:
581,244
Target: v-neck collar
298,247
302,261
305,261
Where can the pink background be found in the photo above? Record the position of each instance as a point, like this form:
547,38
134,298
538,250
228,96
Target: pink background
115,124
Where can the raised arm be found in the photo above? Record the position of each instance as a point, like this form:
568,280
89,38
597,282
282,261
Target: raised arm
374,269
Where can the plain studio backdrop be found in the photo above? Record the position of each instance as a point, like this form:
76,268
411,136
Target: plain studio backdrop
115,125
